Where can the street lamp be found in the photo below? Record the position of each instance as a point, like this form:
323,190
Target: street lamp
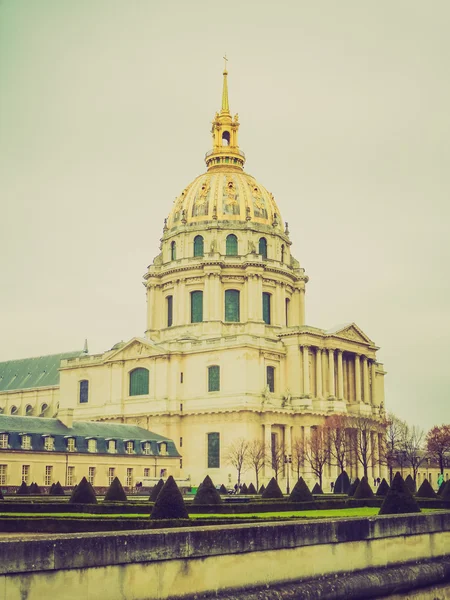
287,461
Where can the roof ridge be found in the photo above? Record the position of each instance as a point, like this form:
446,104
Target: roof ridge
41,356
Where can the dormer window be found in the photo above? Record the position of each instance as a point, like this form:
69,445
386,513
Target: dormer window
146,448
163,449
71,445
112,446
26,442
129,447
4,440
92,445
49,443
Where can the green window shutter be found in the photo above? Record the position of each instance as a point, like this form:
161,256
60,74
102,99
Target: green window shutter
214,378
232,306
169,311
271,379
232,245
266,307
263,247
196,307
139,382
213,450
198,246
84,391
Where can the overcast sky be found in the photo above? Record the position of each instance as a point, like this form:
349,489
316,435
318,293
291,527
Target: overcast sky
105,111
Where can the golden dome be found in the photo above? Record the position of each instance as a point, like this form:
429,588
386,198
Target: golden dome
225,196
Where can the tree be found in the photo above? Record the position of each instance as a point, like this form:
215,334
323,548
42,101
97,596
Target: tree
317,451
256,458
362,446
237,456
277,457
391,451
412,447
298,455
438,443
338,439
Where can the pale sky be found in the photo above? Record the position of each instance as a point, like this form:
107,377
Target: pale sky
105,111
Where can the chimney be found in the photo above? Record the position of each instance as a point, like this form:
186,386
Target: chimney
65,415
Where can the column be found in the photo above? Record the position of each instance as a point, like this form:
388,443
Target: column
251,293
302,306
340,374
258,289
268,449
279,307
206,298
319,392
373,400
357,378
331,387
306,390
150,304
365,380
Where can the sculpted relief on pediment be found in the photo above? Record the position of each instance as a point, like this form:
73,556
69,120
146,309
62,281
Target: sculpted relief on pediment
351,333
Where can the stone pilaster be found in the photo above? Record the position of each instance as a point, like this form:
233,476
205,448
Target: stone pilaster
331,382
357,378
306,386
319,390
340,376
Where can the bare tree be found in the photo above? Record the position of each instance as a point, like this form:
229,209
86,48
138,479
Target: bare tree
317,451
338,440
393,442
298,455
256,458
236,455
413,448
438,443
277,456
363,448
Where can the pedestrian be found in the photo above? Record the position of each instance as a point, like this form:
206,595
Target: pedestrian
440,480
332,486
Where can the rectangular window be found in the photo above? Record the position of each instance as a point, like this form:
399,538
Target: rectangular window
26,442
181,377
70,475
287,312
147,448
181,463
129,447
48,475
213,450
146,472
49,443
92,445
111,475
3,440
214,378
84,391
163,449
266,307
71,445
129,477
26,474
91,475
112,446
3,474
169,301
232,306
181,442
271,379
196,307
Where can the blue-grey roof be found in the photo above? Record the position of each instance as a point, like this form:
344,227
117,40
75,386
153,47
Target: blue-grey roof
26,373
38,428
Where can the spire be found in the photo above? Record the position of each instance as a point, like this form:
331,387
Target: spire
225,105
85,349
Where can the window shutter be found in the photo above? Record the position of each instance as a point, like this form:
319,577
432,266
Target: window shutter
214,378
169,311
198,246
232,245
139,382
196,307
232,306
271,379
263,247
213,450
266,307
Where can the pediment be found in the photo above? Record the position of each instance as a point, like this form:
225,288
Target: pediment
135,349
351,332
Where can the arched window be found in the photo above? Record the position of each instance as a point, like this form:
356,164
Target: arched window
139,382
226,138
196,307
43,409
271,379
28,409
282,253
263,247
169,300
232,245
173,251
287,311
84,391
13,410
266,301
232,313
198,245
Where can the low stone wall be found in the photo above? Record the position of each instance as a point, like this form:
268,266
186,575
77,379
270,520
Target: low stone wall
191,561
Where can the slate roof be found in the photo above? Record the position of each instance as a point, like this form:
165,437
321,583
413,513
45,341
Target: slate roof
26,373
38,428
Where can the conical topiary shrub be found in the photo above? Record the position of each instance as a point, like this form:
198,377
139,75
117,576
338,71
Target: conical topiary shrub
261,489
409,481
83,493
1,495
363,490
383,488
441,488
169,504
251,490
57,490
317,489
223,490
244,489
353,486
50,491
207,493
115,492
272,490
301,492
23,490
446,492
342,483
155,491
399,499
425,490
35,490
